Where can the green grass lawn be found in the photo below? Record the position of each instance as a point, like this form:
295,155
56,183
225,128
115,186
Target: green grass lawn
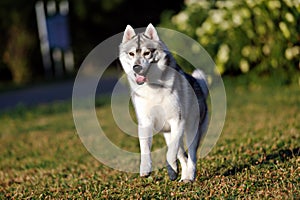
257,155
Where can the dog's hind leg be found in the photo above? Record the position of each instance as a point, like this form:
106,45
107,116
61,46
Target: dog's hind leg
182,156
194,142
175,149
192,161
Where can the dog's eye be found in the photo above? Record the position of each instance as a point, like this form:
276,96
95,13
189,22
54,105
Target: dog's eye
131,54
147,53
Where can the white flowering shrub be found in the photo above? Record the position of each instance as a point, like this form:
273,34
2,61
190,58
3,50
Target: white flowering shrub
259,35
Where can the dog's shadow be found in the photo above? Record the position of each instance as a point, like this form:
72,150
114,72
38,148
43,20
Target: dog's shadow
280,156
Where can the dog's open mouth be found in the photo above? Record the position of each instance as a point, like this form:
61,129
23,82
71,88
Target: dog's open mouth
140,79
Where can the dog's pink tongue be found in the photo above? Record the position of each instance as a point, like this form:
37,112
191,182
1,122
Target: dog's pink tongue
140,79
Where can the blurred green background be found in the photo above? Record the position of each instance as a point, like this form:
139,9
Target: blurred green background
260,38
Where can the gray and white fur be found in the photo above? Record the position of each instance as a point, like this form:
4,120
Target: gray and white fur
166,99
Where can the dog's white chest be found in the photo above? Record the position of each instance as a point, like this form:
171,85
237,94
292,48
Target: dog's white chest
159,107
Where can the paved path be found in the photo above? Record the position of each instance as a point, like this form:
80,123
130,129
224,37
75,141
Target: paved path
47,93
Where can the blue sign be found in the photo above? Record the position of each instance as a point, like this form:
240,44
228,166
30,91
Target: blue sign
58,32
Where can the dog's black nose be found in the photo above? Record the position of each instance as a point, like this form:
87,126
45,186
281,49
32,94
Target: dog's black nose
137,68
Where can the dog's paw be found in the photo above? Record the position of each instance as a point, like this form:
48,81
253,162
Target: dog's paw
171,172
186,181
145,174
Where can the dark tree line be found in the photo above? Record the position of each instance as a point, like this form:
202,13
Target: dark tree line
91,21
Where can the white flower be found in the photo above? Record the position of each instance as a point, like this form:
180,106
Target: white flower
225,4
201,3
288,2
208,27
217,16
289,17
266,49
245,13
246,51
244,66
250,3
288,54
196,48
284,29
204,40
274,4
219,69
292,52
225,25
223,53
199,31
181,18
237,19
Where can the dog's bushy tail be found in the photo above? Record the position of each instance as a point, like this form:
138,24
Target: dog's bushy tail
201,79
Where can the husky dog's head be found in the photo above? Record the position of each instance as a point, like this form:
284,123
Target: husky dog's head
140,52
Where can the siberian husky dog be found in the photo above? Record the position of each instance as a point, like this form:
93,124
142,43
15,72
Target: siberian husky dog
166,99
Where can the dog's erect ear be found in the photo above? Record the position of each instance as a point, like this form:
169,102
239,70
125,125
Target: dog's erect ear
151,32
128,33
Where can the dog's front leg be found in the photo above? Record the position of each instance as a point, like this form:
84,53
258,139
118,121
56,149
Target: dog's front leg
145,138
173,148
